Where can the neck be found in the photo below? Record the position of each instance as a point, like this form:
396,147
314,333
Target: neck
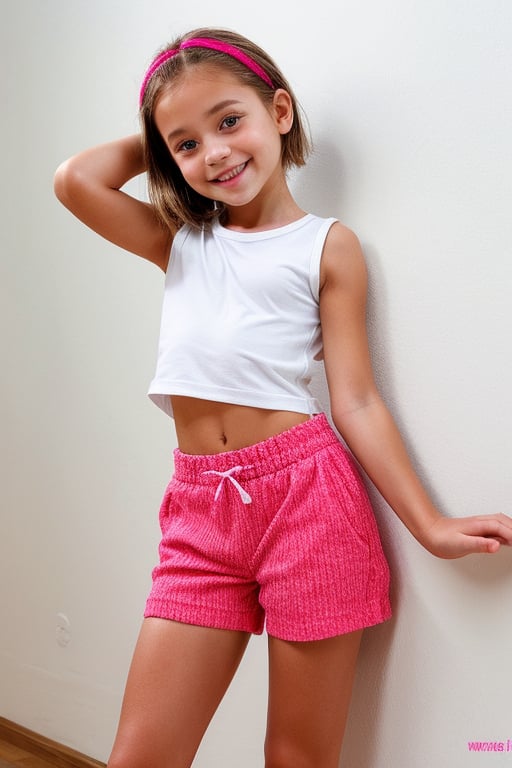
266,212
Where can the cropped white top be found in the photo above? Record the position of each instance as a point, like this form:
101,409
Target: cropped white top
240,317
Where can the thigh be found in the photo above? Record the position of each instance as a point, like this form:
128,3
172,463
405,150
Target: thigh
310,685
177,678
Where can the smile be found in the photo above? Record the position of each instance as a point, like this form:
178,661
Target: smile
231,175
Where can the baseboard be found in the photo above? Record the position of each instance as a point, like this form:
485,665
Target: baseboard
46,749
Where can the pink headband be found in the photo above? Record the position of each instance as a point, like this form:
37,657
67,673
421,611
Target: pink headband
204,42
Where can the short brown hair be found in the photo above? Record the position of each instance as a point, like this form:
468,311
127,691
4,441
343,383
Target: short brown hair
175,201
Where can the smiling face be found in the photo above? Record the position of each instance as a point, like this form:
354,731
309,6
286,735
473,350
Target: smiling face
225,141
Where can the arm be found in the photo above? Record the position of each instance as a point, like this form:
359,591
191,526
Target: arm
364,421
89,185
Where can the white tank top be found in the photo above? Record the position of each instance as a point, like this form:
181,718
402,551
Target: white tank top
240,317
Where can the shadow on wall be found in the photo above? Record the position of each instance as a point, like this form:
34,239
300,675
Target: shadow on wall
318,186
435,635
361,743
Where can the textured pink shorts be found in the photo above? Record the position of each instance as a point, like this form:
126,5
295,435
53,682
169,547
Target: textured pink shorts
280,532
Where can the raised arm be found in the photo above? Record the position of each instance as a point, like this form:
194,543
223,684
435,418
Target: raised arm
89,185
364,421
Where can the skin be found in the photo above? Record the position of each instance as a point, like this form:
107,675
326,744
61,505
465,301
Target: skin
227,145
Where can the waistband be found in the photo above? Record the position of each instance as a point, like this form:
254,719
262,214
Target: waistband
263,458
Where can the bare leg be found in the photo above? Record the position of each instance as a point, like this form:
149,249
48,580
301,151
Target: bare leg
309,697
177,679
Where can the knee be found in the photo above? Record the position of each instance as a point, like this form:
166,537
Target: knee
118,761
122,759
140,753
282,753
137,758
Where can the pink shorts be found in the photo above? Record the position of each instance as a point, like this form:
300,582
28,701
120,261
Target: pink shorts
280,532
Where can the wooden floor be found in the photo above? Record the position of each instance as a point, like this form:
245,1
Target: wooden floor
14,757
19,746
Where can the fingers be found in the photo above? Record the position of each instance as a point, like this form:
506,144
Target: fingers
451,538
498,527
486,534
468,545
482,545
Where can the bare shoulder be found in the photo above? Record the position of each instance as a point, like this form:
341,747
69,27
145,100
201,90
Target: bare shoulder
343,262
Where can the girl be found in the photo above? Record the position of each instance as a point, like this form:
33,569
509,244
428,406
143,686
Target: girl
266,518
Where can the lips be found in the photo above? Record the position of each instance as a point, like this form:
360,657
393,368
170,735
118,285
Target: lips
231,174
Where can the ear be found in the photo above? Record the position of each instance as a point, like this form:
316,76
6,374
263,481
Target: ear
283,110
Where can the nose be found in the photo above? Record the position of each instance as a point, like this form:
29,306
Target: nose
216,151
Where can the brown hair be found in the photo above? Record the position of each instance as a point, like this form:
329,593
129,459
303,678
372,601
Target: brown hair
175,201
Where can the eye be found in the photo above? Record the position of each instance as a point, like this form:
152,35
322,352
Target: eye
230,122
187,146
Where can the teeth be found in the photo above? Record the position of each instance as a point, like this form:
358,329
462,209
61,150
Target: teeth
233,173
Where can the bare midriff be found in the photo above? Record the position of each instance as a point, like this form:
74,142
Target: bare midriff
207,427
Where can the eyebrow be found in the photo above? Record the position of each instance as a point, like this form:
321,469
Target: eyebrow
209,112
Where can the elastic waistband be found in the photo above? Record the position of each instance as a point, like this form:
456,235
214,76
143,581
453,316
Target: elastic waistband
263,458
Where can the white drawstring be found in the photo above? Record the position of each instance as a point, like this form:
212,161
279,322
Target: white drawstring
228,475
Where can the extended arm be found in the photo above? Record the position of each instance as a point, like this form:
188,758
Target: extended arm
90,183
364,421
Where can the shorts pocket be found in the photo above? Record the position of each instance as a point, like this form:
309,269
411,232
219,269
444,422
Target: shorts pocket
164,513
354,501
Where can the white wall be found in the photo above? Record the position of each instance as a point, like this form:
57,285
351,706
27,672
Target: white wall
410,106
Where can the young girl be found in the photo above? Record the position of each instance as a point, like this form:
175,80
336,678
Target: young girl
266,518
